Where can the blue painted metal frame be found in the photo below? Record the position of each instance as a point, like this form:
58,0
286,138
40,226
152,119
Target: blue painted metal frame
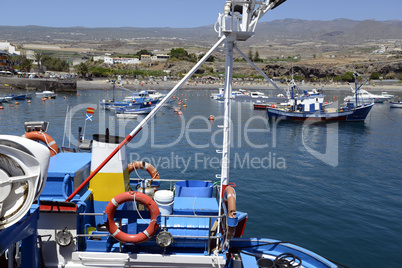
26,231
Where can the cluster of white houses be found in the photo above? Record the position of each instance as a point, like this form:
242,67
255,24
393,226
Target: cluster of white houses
7,49
144,58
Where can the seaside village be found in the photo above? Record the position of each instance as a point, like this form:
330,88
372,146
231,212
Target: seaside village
8,50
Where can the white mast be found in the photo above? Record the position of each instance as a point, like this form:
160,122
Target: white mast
237,23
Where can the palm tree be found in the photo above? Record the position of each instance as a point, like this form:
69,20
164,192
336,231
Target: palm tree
38,58
26,65
82,69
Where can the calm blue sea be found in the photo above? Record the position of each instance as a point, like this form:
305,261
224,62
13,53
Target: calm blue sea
332,188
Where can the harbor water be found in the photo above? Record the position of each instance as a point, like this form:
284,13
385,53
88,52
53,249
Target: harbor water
333,188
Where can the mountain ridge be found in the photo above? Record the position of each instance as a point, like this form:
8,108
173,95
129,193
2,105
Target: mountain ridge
338,31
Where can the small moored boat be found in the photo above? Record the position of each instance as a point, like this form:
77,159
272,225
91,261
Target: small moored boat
395,104
46,94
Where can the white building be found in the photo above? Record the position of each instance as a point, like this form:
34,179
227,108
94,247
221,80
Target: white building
160,57
6,46
110,60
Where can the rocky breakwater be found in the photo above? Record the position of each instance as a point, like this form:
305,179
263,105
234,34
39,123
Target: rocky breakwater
40,84
320,70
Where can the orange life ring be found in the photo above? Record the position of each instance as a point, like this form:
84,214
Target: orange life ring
144,165
229,197
132,238
45,138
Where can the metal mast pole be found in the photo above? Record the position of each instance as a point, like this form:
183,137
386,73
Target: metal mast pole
227,116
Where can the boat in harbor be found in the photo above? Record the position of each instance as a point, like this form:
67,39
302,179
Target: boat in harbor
135,100
14,97
248,96
5,99
135,111
310,106
363,96
144,95
395,104
126,116
82,210
260,105
46,94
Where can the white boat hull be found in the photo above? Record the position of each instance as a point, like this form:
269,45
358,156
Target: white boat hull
395,104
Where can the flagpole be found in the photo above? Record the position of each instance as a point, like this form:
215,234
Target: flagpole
85,125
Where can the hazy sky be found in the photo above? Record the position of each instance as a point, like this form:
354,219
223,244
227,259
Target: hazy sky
181,13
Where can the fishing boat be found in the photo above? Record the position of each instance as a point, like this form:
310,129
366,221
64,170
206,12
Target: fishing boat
143,95
81,209
7,98
141,110
235,93
310,106
246,96
4,99
46,94
395,104
15,97
260,105
364,96
133,101
126,116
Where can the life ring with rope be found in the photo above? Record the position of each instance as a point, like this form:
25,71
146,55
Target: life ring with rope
229,199
144,165
45,138
138,197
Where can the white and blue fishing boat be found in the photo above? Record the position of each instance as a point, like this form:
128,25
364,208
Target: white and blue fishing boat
140,110
144,95
133,101
305,105
395,104
81,210
15,97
